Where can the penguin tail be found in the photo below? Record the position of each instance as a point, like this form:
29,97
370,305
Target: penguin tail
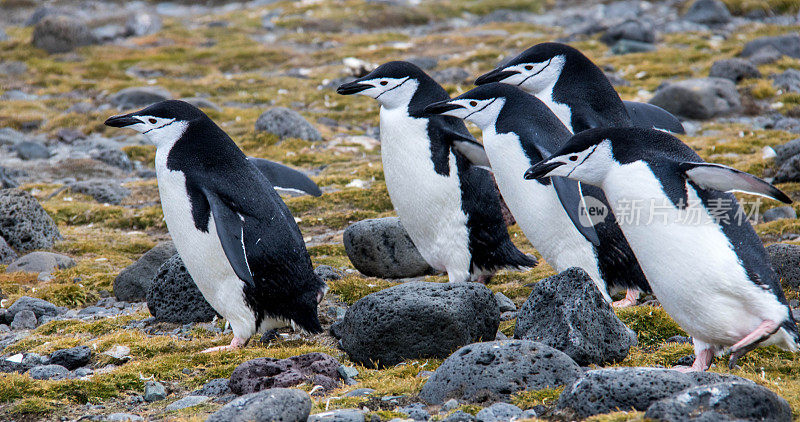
792,341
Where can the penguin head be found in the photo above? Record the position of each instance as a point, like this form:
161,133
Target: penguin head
481,105
161,123
587,157
534,69
393,84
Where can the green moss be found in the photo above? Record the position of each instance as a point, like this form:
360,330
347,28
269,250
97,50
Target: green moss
652,325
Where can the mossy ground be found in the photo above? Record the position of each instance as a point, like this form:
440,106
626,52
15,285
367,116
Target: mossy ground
227,65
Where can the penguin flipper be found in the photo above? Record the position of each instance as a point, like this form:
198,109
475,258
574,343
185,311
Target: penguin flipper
462,142
571,198
727,179
230,229
650,116
285,177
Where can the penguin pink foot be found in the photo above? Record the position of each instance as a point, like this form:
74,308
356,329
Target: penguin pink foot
631,299
702,361
751,341
236,343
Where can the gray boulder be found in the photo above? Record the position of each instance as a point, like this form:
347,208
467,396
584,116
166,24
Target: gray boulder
340,415
103,191
451,75
499,412
632,30
788,81
38,306
215,388
6,179
113,157
789,171
174,297
154,391
72,358
133,281
779,213
495,370
265,373
727,401
276,404
785,260
49,372
24,320
7,255
30,150
61,34
37,262
708,12
24,224
701,98
629,46
460,416
788,44
186,402
786,151
9,136
417,320
734,69
136,97
381,247
13,68
568,312
765,55
287,123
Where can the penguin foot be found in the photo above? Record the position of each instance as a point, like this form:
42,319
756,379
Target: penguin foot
631,299
236,343
702,361
484,279
751,341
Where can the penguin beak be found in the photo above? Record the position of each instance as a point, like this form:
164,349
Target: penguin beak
541,170
352,88
440,107
496,75
122,121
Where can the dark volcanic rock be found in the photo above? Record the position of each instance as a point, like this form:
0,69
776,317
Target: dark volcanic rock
779,213
451,75
287,123
495,370
7,255
788,81
103,191
785,260
702,98
215,388
789,171
276,404
37,262
381,247
133,281
265,373
174,297
709,12
24,224
788,44
629,46
734,69
49,372
568,312
338,415
629,30
417,320
30,150
6,179
137,97
723,401
38,306
113,157
786,151
72,358
24,320
60,34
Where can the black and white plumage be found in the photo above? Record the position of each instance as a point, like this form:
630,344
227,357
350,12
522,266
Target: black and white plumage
449,206
519,131
576,90
235,235
286,179
705,263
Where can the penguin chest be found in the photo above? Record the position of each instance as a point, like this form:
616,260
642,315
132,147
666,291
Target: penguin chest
690,263
428,203
536,207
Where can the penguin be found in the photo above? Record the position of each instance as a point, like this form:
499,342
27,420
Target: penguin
576,90
235,235
447,203
519,131
286,179
704,261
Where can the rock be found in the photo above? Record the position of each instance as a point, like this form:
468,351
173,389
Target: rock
499,412
568,312
43,12
265,373
460,416
174,297
120,353
765,55
24,224
17,95
214,388
13,68
340,415
347,372
6,179
779,213
424,63
286,123
788,44
109,33
123,417
608,390
788,171
497,369
39,307
72,358
137,97
61,34
38,262
10,136
381,248
142,23
113,157
632,30
449,405
708,12
785,260
276,404
3,36
360,392
186,402
29,150
154,391
24,320
628,47
451,75
7,255
49,372
734,69
417,320
200,102
82,372
103,191
504,303
723,401
701,98
327,273
415,411
786,151
789,80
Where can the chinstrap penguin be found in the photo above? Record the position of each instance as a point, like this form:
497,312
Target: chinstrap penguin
449,206
519,131
704,261
235,235
576,90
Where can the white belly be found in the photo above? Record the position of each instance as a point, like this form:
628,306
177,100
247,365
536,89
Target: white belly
428,204
689,262
537,209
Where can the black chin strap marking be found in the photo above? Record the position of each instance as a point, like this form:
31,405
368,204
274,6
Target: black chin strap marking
148,130
538,72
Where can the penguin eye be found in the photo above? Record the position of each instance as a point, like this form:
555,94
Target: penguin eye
473,103
573,158
384,83
152,121
529,67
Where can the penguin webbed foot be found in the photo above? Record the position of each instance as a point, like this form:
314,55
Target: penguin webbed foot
752,340
236,343
631,299
702,361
